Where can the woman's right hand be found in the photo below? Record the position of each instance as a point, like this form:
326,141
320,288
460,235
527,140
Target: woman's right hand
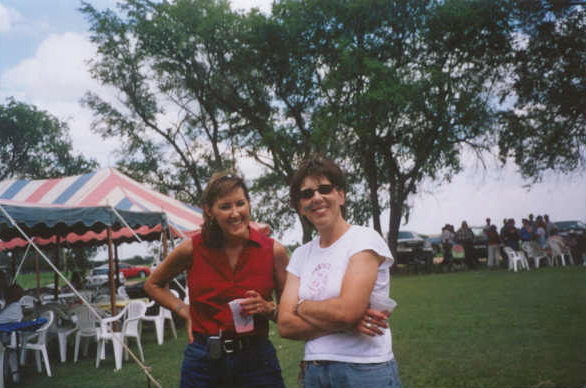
184,313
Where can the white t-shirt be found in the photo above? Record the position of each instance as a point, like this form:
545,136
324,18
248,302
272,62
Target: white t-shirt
320,272
11,313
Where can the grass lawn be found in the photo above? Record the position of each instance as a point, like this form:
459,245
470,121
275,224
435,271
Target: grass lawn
464,329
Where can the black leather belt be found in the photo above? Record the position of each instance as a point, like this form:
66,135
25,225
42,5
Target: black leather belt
230,345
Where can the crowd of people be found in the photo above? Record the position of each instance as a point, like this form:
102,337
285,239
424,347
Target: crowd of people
536,234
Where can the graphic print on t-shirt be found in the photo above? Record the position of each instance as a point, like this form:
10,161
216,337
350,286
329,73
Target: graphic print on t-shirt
318,281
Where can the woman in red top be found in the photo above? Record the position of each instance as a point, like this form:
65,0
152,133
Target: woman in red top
228,260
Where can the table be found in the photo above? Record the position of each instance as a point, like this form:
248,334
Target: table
14,327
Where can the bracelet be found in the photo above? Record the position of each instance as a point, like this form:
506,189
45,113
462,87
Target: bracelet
296,308
178,308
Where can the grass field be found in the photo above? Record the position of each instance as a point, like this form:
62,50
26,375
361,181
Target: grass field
464,329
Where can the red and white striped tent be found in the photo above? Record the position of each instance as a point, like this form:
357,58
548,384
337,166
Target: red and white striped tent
106,187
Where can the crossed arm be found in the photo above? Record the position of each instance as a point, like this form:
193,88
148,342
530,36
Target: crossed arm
317,318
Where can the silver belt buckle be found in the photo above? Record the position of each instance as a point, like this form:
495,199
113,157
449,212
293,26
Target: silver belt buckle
228,346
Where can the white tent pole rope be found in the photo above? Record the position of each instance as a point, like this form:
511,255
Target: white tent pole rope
145,369
125,223
28,247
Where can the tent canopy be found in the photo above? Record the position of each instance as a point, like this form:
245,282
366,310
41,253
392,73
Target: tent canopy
106,187
47,222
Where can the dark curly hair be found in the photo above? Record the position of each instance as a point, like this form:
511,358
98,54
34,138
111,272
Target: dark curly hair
316,167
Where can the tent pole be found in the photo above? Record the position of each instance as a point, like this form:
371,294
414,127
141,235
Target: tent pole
56,275
13,266
165,230
116,266
38,271
111,274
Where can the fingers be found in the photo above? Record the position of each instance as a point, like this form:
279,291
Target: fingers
253,304
372,323
189,331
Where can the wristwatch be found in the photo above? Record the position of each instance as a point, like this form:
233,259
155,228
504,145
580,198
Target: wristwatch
296,308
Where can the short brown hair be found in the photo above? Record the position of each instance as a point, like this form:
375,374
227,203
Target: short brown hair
316,167
220,184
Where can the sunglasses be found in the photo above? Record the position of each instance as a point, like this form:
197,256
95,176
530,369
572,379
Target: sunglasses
322,189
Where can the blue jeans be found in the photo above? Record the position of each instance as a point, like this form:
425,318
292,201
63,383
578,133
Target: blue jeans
349,375
255,366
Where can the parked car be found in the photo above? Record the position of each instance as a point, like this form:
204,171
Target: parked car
99,277
132,271
566,228
413,248
136,290
436,244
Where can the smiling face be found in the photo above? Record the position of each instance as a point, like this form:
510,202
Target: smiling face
321,209
232,213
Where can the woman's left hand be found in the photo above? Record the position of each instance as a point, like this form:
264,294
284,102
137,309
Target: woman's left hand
255,304
372,323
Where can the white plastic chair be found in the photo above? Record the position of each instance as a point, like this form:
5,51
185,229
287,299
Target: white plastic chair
559,250
61,333
532,251
86,326
37,342
121,293
27,302
9,351
131,328
159,321
516,259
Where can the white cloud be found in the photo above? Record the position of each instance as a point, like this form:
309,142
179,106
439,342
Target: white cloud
8,17
58,71
55,79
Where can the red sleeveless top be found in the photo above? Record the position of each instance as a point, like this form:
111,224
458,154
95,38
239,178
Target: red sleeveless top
213,283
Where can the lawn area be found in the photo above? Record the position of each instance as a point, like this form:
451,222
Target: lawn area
464,329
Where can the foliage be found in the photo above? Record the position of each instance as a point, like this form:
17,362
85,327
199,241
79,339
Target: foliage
546,126
394,90
34,144
405,87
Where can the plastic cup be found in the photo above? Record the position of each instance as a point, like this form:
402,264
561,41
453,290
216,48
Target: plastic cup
242,324
382,303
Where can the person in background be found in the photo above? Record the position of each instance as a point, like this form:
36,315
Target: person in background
331,282
493,246
540,233
549,226
487,226
465,237
510,235
3,288
447,237
526,233
227,260
11,313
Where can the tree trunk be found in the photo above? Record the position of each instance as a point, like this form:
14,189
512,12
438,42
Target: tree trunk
396,206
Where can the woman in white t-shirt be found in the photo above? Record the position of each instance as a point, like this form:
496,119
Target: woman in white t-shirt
330,283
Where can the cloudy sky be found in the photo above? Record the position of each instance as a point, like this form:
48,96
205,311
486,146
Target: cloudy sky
43,50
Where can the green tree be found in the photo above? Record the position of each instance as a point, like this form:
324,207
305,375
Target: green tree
230,80
406,87
545,128
35,144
